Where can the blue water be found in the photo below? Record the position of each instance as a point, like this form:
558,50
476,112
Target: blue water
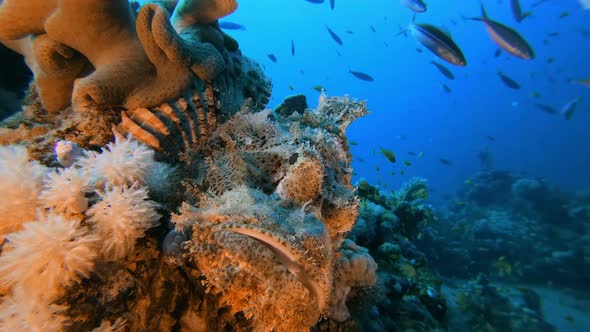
410,110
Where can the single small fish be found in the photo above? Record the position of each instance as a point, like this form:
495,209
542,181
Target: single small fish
272,57
421,154
564,14
334,36
507,38
332,3
291,88
445,162
546,108
517,11
353,143
292,48
419,50
412,153
550,59
318,88
536,94
389,155
585,82
315,1
444,70
372,28
377,168
402,172
498,53
491,138
552,34
568,109
438,42
231,25
350,32
509,82
537,3
361,76
417,6
407,163
446,88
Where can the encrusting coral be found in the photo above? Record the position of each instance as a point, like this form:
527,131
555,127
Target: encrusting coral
188,209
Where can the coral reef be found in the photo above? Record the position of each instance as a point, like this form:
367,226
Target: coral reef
248,223
513,228
478,305
101,54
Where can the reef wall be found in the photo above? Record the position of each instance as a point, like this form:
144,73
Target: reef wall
144,188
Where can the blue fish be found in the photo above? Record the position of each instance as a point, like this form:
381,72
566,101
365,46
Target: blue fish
315,1
332,4
292,48
231,25
272,57
334,36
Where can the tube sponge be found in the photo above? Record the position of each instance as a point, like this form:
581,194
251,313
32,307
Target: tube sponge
47,255
121,217
20,184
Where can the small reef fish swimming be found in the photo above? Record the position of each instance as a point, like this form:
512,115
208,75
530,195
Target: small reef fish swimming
361,76
444,70
334,36
272,57
507,38
292,48
445,162
417,6
546,108
388,154
315,1
585,82
517,11
446,88
568,109
318,88
231,25
509,82
438,42
332,4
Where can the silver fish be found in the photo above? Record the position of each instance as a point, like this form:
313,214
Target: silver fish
438,42
568,109
507,38
417,6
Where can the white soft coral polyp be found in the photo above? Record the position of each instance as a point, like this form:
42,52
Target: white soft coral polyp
20,183
64,191
120,164
121,217
48,255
